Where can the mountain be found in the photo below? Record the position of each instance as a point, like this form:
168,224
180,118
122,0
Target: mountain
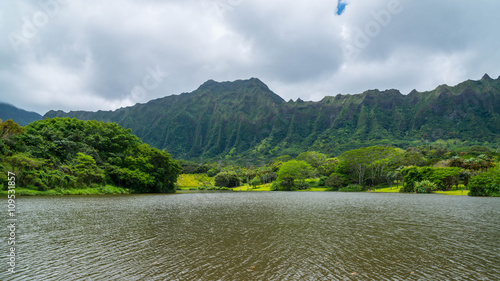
245,118
20,116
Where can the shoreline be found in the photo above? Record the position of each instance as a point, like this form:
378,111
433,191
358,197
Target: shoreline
112,190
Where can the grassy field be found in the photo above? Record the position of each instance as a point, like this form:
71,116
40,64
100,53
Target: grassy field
386,189
394,189
453,192
102,190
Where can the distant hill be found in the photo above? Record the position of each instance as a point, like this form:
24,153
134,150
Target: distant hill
245,118
20,116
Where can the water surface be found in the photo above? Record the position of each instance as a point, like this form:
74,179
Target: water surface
257,236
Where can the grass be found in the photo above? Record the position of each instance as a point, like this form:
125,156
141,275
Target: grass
453,192
101,190
394,189
186,181
386,189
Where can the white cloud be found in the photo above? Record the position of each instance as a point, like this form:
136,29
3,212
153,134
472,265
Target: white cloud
91,54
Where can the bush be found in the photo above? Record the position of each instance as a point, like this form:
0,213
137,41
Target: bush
321,181
425,186
335,180
302,185
407,188
227,179
486,184
288,183
268,177
255,182
353,188
212,172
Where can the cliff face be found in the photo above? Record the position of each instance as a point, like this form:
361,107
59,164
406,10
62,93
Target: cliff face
246,118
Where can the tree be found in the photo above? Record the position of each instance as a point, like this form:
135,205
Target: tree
227,179
328,166
445,178
335,180
372,160
61,152
9,128
486,184
295,170
86,170
313,158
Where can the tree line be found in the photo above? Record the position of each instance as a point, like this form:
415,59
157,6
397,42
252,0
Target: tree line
421,169
70,153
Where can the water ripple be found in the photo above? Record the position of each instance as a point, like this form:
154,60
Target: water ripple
258,236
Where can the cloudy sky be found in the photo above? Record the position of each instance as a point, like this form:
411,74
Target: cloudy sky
102,55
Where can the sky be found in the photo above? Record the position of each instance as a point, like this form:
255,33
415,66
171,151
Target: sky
103,55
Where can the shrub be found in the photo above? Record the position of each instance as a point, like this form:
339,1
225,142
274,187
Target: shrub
268,177
227,179
353,188
212,172
255,182
425,186
321,181
303,185
288,183
486,184
335,180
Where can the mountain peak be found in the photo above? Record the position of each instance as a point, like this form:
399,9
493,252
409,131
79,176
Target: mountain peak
486,77
253,85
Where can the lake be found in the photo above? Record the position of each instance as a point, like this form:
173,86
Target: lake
257,236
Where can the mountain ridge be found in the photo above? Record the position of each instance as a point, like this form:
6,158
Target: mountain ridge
244,118
20,116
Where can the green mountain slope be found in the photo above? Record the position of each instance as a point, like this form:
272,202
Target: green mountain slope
245,118
20,116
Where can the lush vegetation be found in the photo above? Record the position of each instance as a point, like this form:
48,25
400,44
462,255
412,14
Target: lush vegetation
68,154
240,135
421,169
246,121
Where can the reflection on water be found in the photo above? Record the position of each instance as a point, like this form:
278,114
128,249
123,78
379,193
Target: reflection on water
258,236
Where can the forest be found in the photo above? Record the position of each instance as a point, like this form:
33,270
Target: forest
71,156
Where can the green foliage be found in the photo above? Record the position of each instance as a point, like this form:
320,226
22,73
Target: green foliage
250,121
255,182
486,184
335,181
70,153
9,128
268,177
321,181
425,186
353,188
411,175
227,179
287,183
367,163
481,163
313,158
445,178
303,185
294,170
328,167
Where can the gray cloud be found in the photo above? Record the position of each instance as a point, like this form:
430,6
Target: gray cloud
90,55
